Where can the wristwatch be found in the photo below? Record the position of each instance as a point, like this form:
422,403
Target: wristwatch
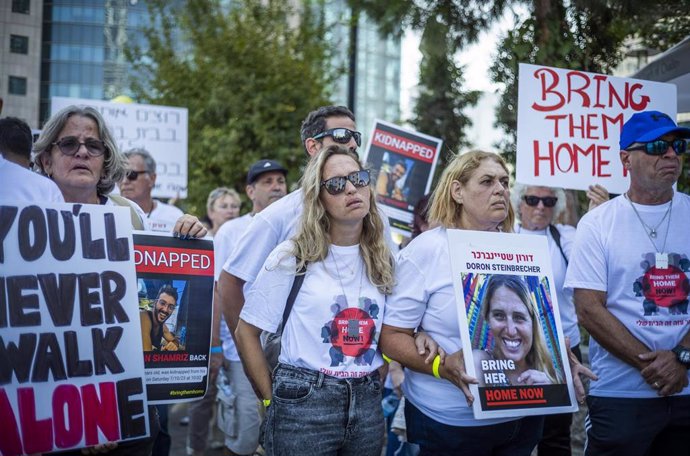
682,355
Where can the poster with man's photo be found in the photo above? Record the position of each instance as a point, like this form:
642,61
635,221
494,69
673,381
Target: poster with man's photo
402,163
510,327
68,329
175,290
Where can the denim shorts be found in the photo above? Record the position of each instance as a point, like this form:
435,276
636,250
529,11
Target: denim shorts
315,414
511,438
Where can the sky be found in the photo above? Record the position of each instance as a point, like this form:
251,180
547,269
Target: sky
477,60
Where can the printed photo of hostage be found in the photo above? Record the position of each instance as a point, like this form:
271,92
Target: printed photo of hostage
515,352
155,333
391,180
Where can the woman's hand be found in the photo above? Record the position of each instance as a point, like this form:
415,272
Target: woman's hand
99,449
577,369
189,227
428,346
597,195
533,377
454,371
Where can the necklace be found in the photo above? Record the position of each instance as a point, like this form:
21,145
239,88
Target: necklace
651,232
340,280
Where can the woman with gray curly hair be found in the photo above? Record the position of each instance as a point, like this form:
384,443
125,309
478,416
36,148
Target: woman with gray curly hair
78,152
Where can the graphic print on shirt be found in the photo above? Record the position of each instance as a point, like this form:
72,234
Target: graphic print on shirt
666,287
352,332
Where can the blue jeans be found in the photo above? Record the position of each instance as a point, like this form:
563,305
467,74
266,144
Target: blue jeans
512,438
638,427
314,414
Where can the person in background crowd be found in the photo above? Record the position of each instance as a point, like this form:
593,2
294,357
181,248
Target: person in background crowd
266,184
137,185
223,204
629,271
79,153
472,194
325,394
537,208
19,183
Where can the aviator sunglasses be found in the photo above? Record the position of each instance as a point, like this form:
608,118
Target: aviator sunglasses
660,146
549,201
341,135
336,185
69,145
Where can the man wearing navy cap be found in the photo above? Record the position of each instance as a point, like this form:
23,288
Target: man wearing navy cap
629,271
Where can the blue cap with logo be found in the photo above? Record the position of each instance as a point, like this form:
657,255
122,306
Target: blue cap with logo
264,166
647,126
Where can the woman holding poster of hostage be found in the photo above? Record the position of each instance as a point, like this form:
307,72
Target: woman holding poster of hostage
472,194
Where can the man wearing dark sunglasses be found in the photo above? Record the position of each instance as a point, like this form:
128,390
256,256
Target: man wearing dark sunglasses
629,271
137,185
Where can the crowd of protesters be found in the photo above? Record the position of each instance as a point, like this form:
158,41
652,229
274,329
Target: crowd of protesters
319,266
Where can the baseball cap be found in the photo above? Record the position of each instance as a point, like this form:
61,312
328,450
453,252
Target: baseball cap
263,166
647,126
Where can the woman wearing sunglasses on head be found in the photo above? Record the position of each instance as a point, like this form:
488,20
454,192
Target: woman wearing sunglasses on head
324,396
77,150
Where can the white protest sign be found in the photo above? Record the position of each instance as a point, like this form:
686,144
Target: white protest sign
569,125
510,325
161,130
71,373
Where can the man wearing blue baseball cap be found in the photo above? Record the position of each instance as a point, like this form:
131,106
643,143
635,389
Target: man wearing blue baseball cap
629,271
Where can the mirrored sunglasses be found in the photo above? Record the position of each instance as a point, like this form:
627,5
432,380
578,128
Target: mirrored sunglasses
342,135
69,145
660,146
336,185
549,201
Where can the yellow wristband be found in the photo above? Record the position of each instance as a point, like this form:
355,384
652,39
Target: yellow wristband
386,358
434,366
266,402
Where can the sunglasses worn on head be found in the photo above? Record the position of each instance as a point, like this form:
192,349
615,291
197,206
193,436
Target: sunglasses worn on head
342,135
549,201
69,145
660,146
134,175
336,185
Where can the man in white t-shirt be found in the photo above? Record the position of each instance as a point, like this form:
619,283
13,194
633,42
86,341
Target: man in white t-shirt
137,185
321,128
266,184
19,183
629,271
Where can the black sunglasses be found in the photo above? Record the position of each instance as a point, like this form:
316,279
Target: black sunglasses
134,175
336,185
342,135
660,146
69,145
549,201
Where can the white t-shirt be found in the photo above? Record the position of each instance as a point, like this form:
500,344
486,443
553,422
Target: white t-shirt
223,243
21,184
275,224
326,331
566,306
424,296
613,253
163,217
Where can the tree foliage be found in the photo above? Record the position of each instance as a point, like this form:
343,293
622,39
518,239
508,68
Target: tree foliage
248,74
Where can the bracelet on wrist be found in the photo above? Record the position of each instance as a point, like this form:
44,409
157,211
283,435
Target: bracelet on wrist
216,349
435,365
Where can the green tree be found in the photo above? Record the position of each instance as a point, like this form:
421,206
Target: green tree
248,74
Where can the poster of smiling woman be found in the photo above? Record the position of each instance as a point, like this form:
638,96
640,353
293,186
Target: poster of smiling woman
510,325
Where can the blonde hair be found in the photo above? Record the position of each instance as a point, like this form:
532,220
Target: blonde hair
538,356
444,210
312,241
220,192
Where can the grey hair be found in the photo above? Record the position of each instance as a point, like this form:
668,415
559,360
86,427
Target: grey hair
113,165
519,190
149,162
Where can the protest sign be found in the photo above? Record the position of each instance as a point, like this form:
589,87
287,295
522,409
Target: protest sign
175,286
509,324
402,162
569,125
68,328
161,130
